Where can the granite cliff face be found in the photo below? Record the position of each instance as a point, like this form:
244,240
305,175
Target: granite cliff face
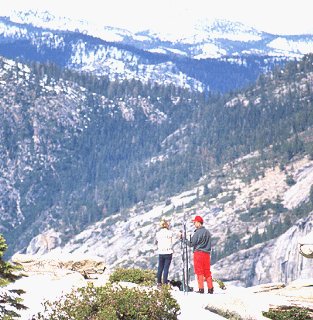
277,260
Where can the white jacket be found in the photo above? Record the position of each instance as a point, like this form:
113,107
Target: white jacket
164,239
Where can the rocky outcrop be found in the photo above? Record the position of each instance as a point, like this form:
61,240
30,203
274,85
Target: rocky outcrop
44,242
87,266
48,277
277,260
238,302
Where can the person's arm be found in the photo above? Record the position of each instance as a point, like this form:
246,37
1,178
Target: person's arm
193,240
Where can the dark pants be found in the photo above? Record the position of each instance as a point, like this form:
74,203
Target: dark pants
163,267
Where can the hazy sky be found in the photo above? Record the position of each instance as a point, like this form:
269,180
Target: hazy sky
275,16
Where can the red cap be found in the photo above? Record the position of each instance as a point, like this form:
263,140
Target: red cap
198,219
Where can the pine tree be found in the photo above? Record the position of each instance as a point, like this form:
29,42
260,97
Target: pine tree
10,300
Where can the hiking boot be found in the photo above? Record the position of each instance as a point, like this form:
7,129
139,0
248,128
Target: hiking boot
200,291
159,285
210,291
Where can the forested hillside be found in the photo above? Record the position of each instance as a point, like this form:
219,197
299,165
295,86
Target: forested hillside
76,148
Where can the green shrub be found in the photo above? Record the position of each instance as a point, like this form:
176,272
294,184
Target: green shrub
112,302
134,275
288,313
220,283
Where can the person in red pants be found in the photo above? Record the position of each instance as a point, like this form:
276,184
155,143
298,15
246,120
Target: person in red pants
201,243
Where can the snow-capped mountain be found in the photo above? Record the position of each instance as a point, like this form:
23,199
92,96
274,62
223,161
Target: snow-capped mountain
81,52
204,39
143,56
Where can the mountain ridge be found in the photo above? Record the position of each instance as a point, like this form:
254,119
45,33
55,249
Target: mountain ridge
121,61
204,31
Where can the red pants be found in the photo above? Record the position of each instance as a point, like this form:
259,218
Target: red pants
202,266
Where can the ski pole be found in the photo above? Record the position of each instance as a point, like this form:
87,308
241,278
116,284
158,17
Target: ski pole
189,253
187,262
183,262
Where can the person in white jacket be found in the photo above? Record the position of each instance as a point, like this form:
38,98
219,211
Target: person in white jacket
164,240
